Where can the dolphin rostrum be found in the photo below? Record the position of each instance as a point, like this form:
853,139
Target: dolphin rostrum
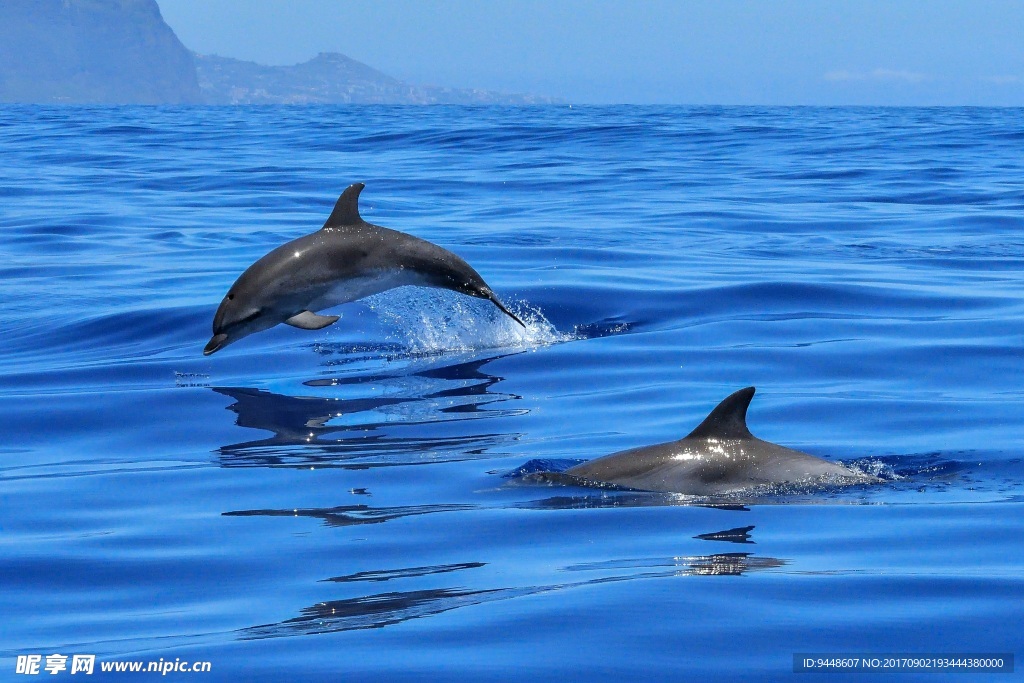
347,259
719,456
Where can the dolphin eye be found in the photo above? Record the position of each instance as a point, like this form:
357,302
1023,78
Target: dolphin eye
231,297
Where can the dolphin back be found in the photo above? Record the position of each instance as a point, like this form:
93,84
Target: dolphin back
430,263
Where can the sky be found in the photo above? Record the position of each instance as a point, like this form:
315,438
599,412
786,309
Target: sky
771,52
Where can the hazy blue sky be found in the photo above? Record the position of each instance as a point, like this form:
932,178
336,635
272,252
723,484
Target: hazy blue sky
672,51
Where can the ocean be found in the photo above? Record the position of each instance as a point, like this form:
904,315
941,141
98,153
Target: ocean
337,505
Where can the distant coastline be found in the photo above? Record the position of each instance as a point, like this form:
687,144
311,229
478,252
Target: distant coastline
123,52
328,78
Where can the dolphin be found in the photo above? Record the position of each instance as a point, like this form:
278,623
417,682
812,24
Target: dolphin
719,456
347,259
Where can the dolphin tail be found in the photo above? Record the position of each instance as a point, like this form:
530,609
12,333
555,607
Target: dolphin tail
501,307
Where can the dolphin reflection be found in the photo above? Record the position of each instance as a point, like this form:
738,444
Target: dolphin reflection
379,610
738,535
351,515
400,419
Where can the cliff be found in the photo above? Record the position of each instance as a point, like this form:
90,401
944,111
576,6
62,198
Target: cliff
92,52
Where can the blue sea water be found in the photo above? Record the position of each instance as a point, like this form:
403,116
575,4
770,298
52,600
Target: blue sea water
332,505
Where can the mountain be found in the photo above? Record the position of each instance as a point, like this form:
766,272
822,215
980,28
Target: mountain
122,52
92,52
328,78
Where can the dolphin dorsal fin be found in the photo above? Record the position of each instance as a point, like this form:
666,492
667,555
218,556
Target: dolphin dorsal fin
728,420
346,211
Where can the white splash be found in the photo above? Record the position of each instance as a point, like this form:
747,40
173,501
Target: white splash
429,321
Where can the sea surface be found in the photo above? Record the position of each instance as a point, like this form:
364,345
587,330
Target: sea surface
343,505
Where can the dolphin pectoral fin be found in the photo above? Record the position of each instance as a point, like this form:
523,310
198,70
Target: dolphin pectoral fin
308,320
501,307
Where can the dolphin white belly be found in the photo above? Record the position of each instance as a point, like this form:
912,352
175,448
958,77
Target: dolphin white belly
375,282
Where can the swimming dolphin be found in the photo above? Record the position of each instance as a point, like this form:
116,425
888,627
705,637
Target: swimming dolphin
347,259
719,456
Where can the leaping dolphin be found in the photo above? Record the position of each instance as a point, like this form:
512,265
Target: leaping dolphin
719,456
347,259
